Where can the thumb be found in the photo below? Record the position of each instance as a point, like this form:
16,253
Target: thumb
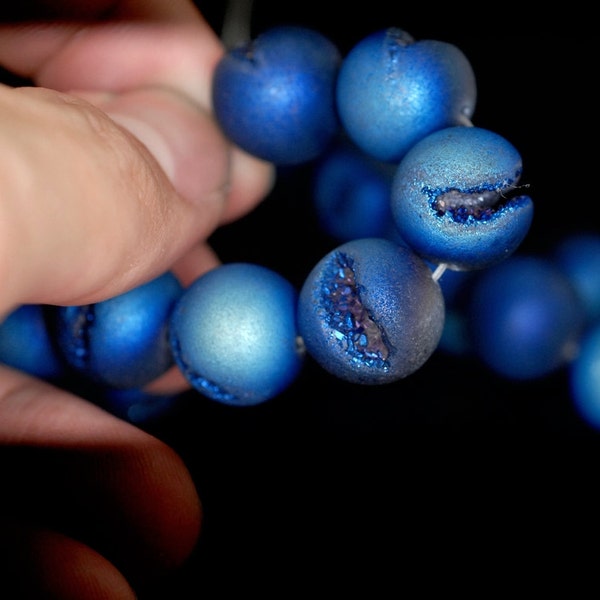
88,212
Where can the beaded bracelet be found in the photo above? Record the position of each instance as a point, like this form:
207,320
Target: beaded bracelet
371,311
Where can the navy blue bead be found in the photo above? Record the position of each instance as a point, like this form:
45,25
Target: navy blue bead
351,194
121,342
578,255
275,96
392,91
26,343
585,377
525,318
234,335
454,201
370,312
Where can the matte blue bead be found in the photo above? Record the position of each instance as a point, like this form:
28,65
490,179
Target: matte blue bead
525,318
275,96
578,255
585,377
351,194
453,198
392,91
370,312
121,342
234,334
26,343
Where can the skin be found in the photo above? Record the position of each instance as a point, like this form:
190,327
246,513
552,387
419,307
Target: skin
113,171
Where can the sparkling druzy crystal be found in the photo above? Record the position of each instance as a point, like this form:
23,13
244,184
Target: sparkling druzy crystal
234,335
392,91
275,95
456,200
370,312
120,342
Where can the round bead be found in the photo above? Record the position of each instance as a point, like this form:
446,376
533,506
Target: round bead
585,377
234,336
525,318
392,91
121,342
351,194
25,343
370,312
453,198
275,96
578,255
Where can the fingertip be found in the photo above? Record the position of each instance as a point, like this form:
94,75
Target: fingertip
252,179
47,564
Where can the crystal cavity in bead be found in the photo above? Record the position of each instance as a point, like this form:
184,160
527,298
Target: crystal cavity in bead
354,327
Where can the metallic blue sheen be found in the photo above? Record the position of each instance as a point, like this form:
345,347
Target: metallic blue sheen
392,91
121,342
454,202
26,343
275,96
525,318
370,312
234,334
585,377
578,255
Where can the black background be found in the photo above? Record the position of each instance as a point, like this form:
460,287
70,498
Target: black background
454,470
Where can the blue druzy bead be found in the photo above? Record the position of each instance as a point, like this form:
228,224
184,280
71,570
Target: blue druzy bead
453,198
234,335
121,342
26,343
392,91
585,377
370,312
275,96
525,318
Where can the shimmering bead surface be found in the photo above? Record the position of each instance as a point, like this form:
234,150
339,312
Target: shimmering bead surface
456,200
369,312
275,96
234,336
525,318
120,342
392,91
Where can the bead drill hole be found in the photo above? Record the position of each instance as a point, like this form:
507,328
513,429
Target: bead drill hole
354,328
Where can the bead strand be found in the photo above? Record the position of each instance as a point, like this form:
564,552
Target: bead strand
354,309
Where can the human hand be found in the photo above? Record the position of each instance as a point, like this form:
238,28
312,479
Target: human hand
113,171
